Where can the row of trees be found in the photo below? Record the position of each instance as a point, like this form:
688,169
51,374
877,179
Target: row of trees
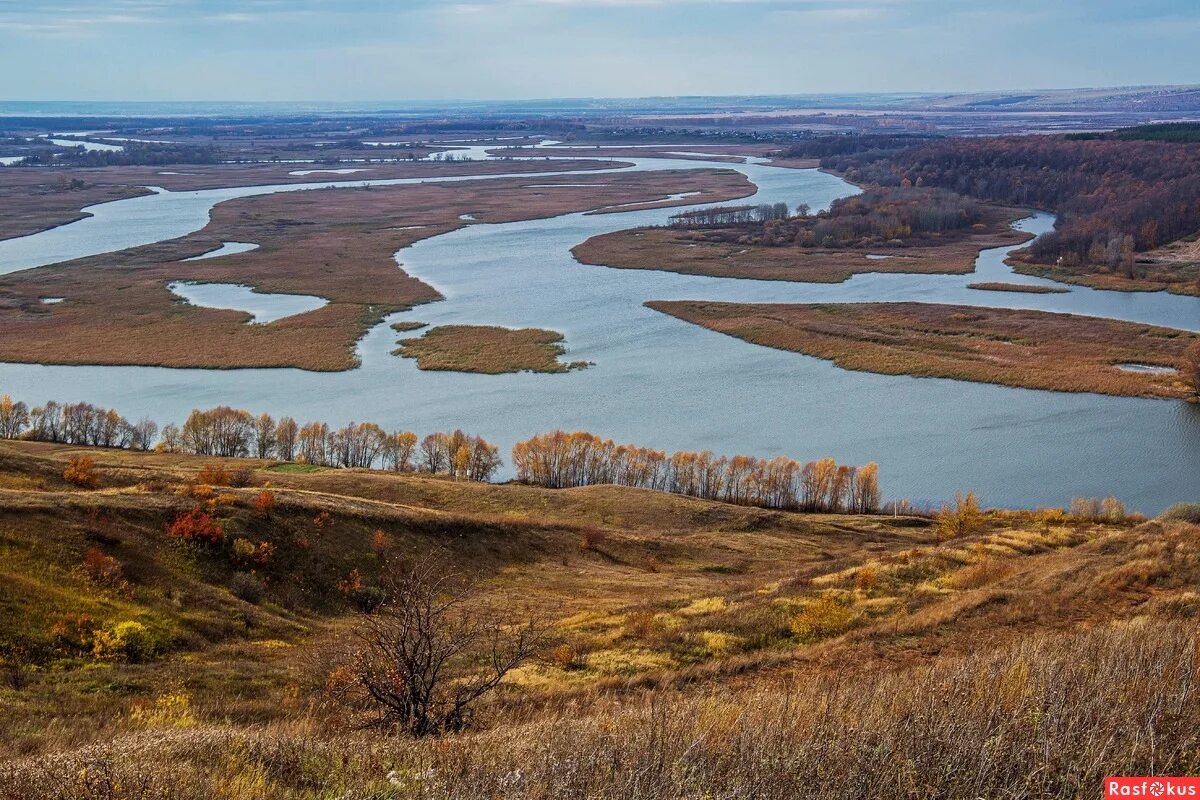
74,423
560,460
236,433
731,215
555,460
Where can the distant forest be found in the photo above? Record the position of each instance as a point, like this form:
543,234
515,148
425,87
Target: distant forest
1114,195
877,215
133,154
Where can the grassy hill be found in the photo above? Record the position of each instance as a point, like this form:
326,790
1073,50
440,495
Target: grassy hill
698,646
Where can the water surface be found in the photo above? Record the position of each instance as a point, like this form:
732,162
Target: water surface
662,382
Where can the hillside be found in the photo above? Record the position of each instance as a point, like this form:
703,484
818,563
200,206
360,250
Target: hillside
650,595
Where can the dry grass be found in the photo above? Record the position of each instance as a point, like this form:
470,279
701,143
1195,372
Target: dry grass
699,647
1028,288
673,250
488,350
337,244
1030,349
1047,718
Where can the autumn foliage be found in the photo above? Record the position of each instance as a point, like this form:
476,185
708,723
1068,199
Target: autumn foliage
561,460
1113,198
81,472
196,527
101,569
264,503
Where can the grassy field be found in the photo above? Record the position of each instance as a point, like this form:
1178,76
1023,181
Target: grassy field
488,350
685,251
1029,349
699,647
338,244
1028,288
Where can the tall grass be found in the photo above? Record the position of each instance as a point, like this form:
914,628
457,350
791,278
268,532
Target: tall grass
1048,718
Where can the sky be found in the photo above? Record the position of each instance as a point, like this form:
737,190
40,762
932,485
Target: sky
380,50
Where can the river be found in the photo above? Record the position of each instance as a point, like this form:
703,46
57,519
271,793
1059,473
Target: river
661,382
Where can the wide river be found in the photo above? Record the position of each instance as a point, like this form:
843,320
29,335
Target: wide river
661,382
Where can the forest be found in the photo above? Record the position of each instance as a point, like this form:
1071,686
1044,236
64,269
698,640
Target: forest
877,215
132,154
1113,197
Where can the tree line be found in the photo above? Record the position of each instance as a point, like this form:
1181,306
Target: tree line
133,154
561,460
877,215
730,215
235,433
555,460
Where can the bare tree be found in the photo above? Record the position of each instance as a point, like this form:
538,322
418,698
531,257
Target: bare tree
427,654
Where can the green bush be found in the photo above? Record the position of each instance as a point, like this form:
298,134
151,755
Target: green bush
125,641
246,587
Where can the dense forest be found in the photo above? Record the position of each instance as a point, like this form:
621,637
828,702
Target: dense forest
1114,196
133,154
1159,132
877,215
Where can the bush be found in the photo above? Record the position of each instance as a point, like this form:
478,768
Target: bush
125,641
1182,512
264,503
822,618
102,569
591,539
81,472
245,586
961,519
370,598
213,475
566,657
241,477
196,527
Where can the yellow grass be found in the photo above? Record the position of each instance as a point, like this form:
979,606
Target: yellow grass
488,349
1029,349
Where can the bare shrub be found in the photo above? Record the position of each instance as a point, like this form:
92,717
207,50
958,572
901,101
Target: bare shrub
424,657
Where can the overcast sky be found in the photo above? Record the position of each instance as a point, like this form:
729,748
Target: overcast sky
510,49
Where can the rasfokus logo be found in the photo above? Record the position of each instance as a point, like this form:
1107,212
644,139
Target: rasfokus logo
1152,787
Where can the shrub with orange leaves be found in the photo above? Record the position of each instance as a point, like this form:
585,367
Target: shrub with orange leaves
323,520
102,569
264,503
82,472
74,633
352,584
213,475
566,657
379,543
196,527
